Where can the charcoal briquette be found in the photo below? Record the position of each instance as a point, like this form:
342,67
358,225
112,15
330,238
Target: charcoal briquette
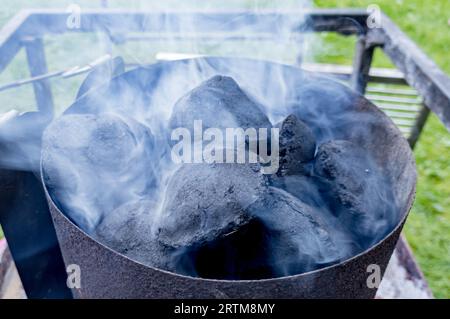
220,103
128,230
296,146
93,164
206,201
358,194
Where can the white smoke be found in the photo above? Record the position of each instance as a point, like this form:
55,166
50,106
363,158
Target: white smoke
143,100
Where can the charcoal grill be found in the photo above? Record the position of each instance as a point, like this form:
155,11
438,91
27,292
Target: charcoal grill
119,276
42,272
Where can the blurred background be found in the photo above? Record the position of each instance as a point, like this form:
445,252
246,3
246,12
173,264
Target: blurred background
425,22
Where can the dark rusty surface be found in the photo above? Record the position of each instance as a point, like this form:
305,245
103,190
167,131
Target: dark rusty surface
107,274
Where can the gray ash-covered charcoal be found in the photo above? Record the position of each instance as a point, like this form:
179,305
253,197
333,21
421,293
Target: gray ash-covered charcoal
223,221
306,188
129,230
297,146
220,103
206,201
301,238
93,164
358,194
283,237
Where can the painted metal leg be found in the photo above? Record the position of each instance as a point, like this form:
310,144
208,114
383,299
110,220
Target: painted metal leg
37,64
31,236
361,65
418,126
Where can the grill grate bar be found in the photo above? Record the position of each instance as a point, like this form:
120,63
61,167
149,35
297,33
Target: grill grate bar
393,99
399,107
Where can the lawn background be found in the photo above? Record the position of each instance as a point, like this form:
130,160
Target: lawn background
428,226
426,22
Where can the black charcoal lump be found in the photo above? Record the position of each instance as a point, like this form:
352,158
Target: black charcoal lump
301,239
221,221
219,103
95,163
129,230
358,195
304,187
224,221
206,201
296,145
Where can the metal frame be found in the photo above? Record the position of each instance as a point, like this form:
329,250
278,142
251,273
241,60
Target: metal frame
27,29
420,72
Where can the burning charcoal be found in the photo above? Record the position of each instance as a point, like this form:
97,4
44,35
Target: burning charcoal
128,226
297,145
305,188
128,230
220,103
223,221
300,238
94,164
359,195
207,201
283,237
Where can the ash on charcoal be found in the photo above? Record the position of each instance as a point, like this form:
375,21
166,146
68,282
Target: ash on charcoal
93,164
297,146
223,221
206,201
220,103
128,230
283,237
358,196
304,187
300,237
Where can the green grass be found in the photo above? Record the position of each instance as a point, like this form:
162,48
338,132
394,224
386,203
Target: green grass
426,22
428,226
